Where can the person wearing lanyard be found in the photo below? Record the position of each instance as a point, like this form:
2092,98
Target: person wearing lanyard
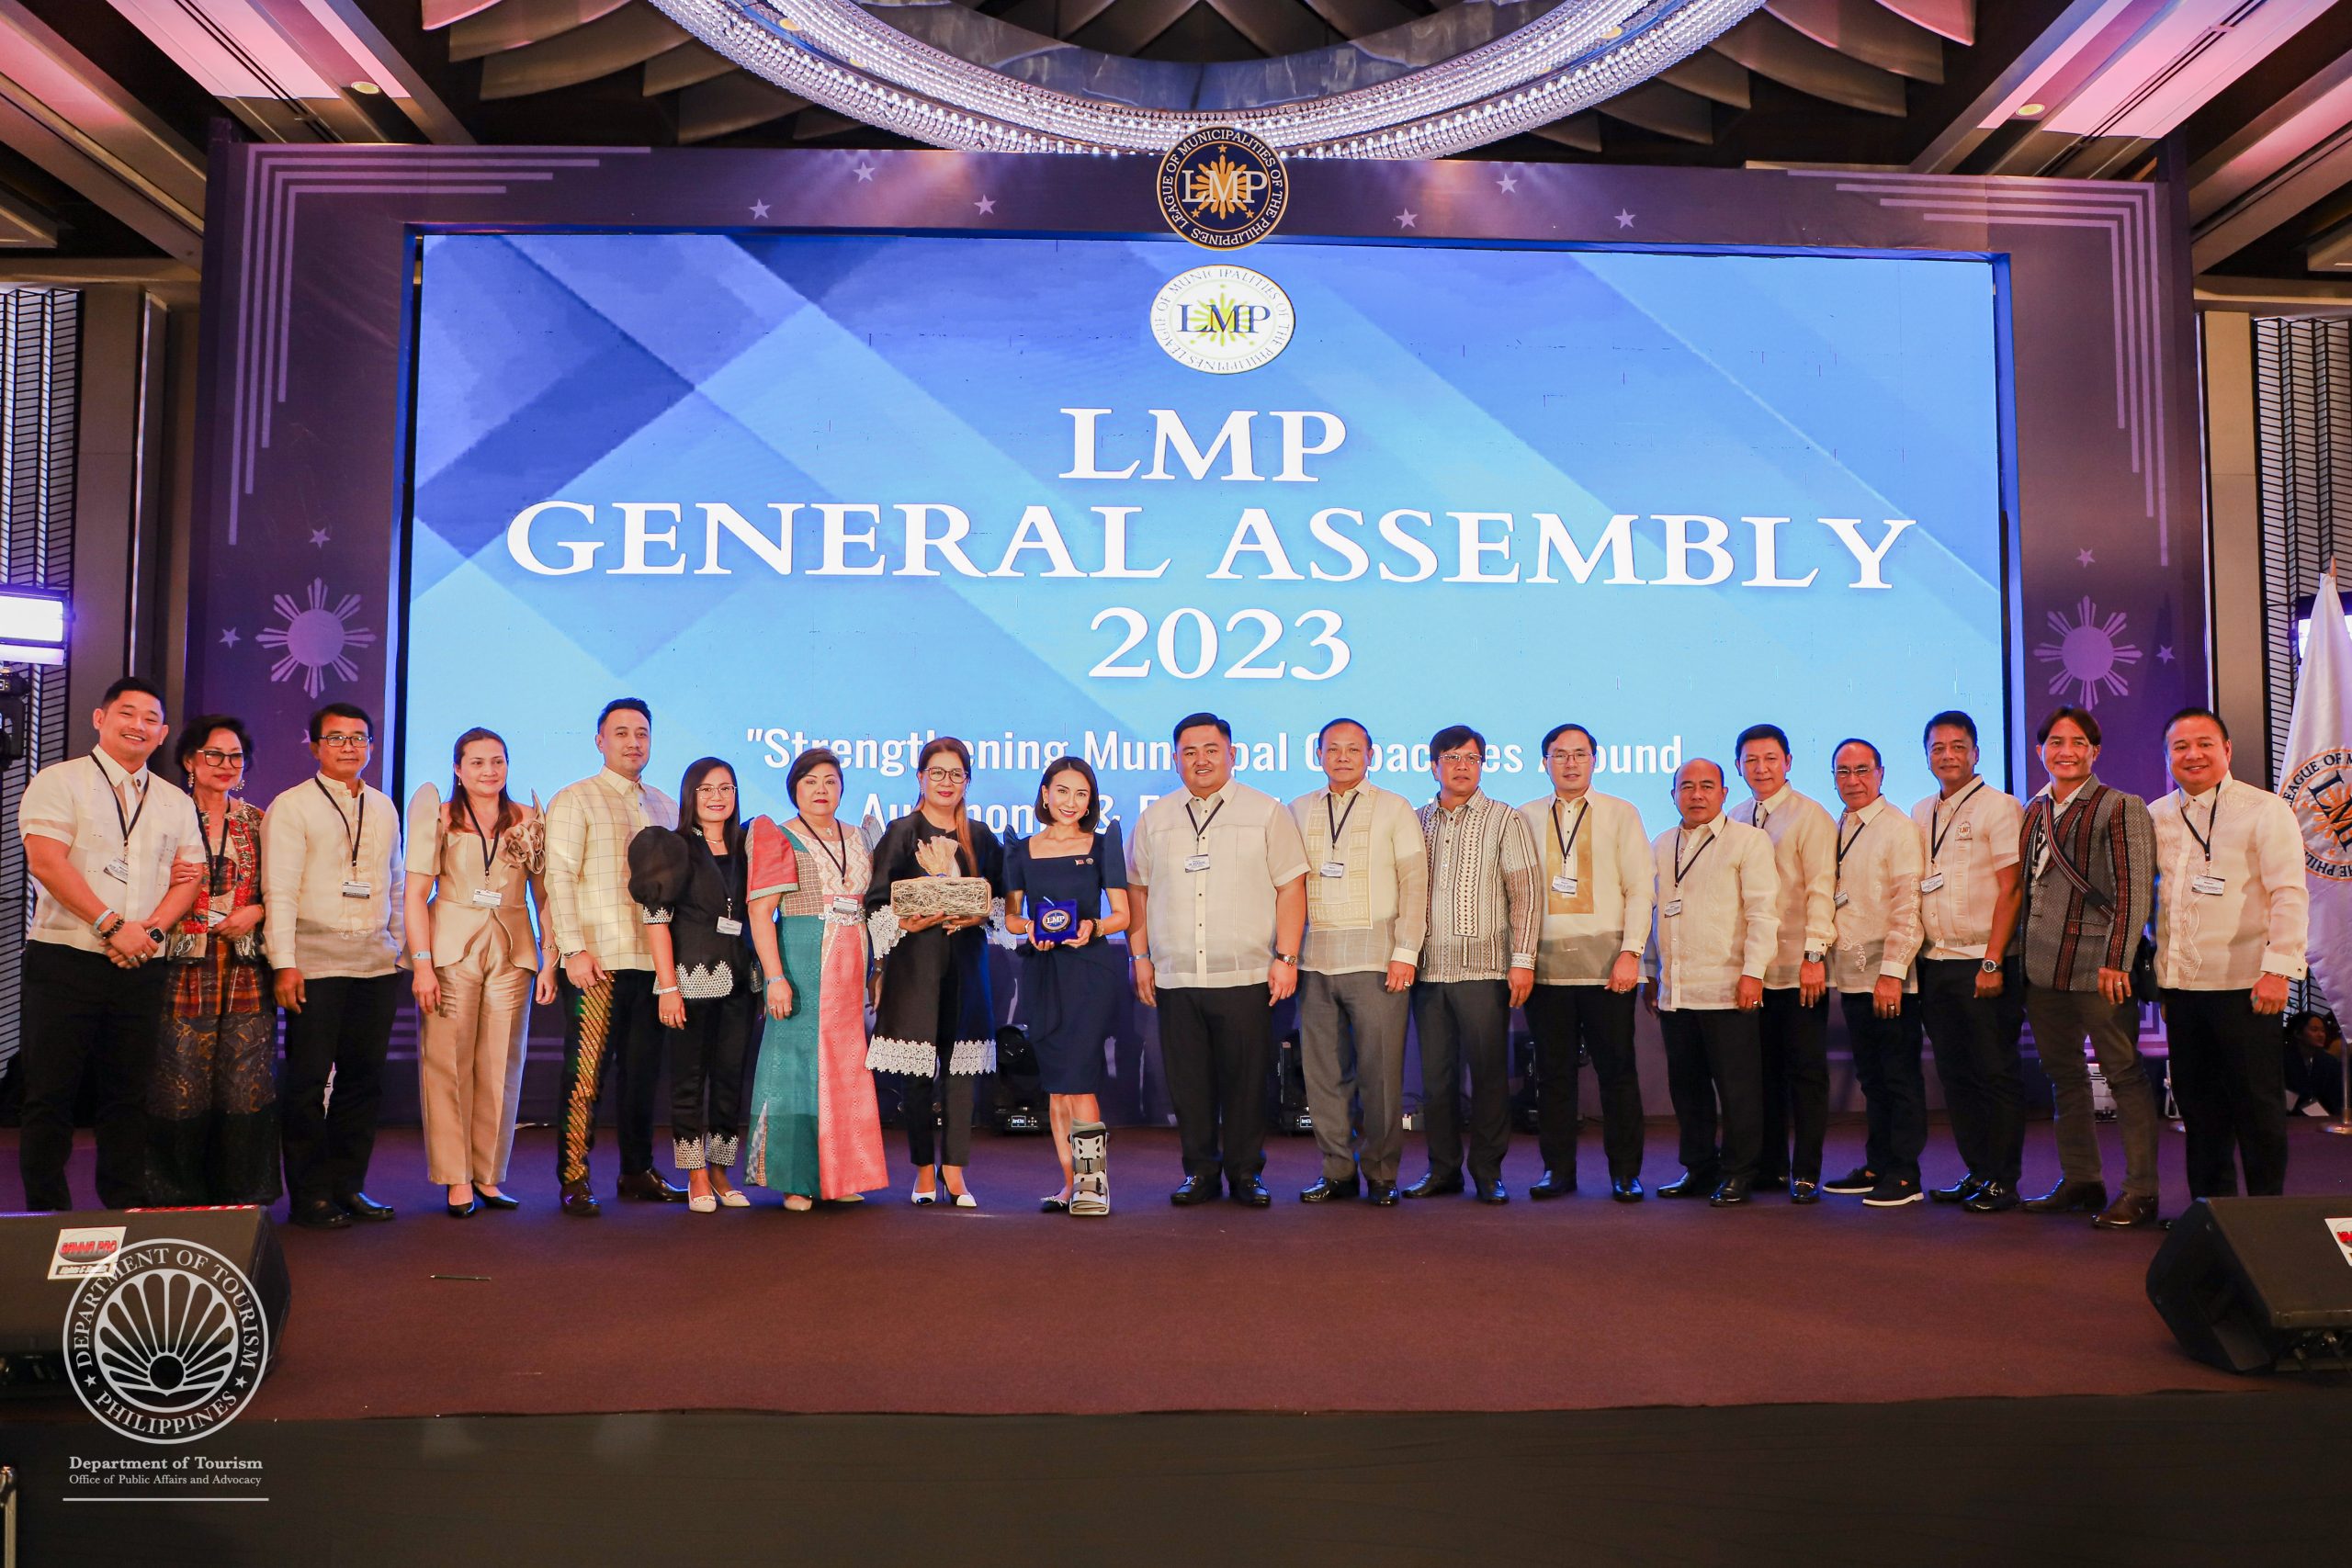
1600,891
114,853
1876,903
1718,924
1971,1006
1367,906
2232,928
332,884
705,992
474,867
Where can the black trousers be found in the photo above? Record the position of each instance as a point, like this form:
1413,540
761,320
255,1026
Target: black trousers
2230,1081
1975,1042
707,1059
1465,1023
941,1097
1714,1054
1217,1044
1795,1039
609,1030
1894,1091
1562,1017
345,1027
82,1015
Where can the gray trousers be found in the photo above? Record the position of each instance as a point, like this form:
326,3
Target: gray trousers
1352,1043
2061,1020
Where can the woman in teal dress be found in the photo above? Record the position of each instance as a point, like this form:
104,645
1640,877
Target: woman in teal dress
814,1130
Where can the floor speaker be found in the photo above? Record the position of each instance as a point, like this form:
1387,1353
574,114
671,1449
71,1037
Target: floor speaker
2259,1284
44,1258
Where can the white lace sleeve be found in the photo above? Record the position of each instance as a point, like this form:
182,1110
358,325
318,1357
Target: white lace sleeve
998,935
882,930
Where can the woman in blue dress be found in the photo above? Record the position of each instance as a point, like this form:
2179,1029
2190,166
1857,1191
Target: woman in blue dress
1056,882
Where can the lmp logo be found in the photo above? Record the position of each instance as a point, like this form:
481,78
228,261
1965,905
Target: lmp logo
168,1347
1222,188
1222,319
2320,789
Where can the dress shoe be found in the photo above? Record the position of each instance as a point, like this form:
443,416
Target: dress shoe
1433,1185
1326,1190
1194,1190
1854,1183
464,1211
1056,1205
1991,1198
1732,1194
648,1186
702,1202
319,1213
1250,1190
579,1201
1550,1185
497,1200
2130,1211
1381,1192
1691,1184
1626,1191
360,1206
1960,1191
1892,1192
1490,1192
2090,1197
1805,1191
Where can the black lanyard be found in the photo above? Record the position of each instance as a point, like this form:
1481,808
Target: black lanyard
489,842
1845,843
214,858
1680,865
1568,844
1200,828
354,833
114,795
1936,839
841,834
2204,840
726,873
1335,827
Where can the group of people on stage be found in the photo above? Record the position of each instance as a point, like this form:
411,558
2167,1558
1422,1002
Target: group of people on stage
170,927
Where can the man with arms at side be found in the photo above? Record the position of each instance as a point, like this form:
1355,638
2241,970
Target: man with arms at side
1876,909
607,980
2089,854
106,841
1598,892
1972,1001
1478,963
1367,906
1794,1020
2232,931
1216,894
1718,924
332,885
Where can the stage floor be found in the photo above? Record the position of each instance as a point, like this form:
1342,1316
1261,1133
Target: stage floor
1440,1305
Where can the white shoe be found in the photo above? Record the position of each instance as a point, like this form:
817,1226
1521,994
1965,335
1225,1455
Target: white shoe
702,1203
733,1198
923,1199
965,1200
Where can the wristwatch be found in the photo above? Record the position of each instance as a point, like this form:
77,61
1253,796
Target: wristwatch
1989,965
421,956
1289,958
1813,956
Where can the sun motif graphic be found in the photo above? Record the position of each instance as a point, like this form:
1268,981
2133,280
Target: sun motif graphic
2089,658
315,637
1221,188
1220,320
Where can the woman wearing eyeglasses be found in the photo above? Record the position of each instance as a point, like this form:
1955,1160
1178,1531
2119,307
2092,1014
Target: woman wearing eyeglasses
212,1103
934,1025
475,864
692,885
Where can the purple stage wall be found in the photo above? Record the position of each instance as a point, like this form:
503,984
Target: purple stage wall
310,253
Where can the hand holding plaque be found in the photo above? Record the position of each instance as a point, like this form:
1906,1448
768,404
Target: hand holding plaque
1056,921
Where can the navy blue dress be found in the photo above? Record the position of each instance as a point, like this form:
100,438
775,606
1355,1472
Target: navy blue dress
1069,996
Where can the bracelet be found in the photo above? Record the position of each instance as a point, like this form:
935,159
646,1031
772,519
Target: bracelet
105,932
420,957
666,990
776,979
100,926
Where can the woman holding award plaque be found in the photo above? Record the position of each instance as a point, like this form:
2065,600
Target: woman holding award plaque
936,873
813,1127
1056,884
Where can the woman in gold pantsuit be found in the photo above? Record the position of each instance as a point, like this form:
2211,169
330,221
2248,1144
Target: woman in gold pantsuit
474,864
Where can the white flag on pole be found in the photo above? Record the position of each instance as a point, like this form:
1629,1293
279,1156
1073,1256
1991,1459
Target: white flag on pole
2317,781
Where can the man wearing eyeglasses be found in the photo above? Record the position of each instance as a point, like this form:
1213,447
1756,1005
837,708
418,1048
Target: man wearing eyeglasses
332,885
113,851
1876,912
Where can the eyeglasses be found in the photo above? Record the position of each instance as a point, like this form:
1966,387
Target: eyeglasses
713,791
1461,759
213,757
946,776
1862,773
344,742
1559,755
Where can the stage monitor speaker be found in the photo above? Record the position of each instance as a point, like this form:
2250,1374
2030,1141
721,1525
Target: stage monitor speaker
2259,1284
42,1257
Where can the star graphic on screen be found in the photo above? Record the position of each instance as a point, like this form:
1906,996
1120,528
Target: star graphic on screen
1508,183
1625,218
986,205
318,536
229,637
759,209
2164,656
2084,557
865,173
1405,218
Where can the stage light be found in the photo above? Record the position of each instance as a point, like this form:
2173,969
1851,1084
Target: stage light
32,626
369,87
2030,111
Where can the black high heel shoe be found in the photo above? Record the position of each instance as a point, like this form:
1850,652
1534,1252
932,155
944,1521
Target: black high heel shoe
497,1200
466,1209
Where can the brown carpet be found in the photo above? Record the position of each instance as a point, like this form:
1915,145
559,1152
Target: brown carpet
1436,1305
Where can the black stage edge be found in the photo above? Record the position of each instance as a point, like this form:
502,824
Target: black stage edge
2243,1480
